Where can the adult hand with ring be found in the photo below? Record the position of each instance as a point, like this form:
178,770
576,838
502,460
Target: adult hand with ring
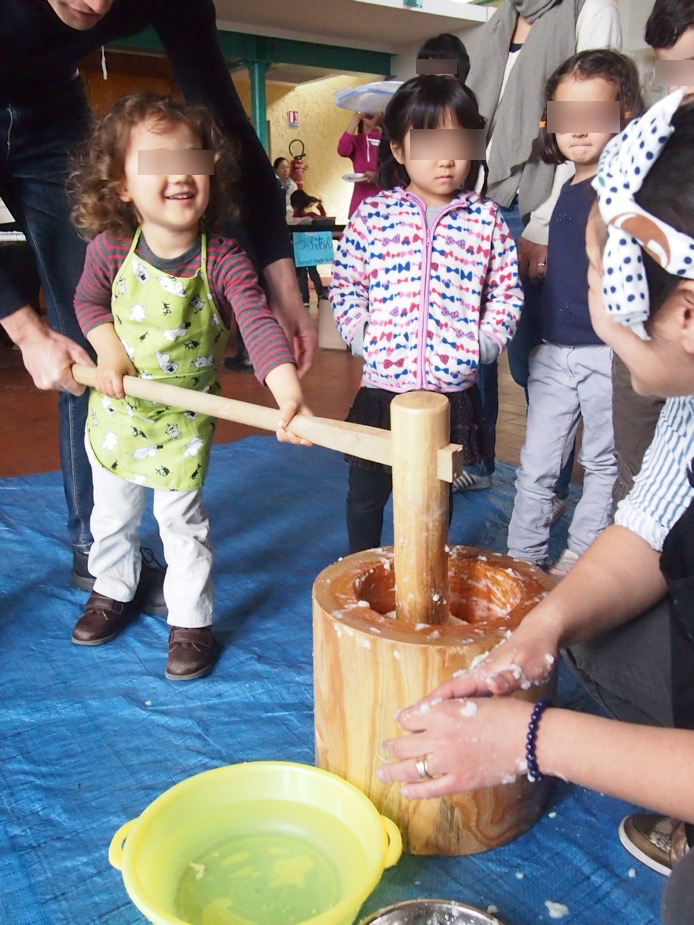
532,260
455,746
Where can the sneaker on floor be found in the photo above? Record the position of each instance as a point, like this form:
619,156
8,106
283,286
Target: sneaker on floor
559,506
564,563
470,481
192,653
659,842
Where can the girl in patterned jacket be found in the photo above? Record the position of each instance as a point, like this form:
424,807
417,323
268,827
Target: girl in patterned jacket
425,280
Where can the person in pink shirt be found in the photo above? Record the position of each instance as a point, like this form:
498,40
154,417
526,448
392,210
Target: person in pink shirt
360,142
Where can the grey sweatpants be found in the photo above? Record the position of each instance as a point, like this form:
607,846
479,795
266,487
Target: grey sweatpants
627,670
565,384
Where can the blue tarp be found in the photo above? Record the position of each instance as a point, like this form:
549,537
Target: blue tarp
90,736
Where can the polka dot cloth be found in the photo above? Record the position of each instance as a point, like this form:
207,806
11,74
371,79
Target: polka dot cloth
623,165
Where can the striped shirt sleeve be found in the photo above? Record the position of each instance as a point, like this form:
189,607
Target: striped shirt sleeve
93,294
661,491
234,280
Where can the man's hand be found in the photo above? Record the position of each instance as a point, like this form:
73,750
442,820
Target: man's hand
286,303
47,356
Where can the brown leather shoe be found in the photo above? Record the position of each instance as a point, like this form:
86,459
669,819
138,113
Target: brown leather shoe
192,653
102,620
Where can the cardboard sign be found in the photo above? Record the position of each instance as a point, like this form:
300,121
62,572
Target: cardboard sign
312,248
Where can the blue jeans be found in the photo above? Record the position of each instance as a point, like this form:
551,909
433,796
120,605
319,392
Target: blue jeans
526,338
488,376
35,142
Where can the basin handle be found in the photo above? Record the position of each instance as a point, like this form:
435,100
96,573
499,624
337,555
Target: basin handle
394,849
115,849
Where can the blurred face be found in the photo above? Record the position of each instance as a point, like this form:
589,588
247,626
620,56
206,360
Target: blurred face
436,179
663,365
282,170
165,202
81,14
372,121
682,51
583,148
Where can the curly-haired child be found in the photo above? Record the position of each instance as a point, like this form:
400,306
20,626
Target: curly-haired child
157,297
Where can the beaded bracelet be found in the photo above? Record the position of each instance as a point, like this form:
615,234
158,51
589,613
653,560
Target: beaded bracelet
534,773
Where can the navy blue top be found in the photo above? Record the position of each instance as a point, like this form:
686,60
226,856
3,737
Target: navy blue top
564,317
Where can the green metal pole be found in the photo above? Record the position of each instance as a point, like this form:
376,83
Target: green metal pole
257,70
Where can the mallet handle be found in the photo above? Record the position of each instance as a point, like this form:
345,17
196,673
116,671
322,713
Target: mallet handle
356,439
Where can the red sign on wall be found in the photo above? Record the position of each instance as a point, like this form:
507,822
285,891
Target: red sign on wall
292,118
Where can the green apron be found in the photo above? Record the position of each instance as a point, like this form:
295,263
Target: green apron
172,331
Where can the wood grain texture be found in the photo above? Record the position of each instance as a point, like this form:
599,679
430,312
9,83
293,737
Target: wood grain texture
367,665
420,426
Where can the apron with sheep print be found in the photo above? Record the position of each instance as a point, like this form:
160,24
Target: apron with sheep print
173,333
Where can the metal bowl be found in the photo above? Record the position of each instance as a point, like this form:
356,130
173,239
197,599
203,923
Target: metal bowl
430,912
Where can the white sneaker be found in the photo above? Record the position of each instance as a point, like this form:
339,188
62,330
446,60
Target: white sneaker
470,481
564,563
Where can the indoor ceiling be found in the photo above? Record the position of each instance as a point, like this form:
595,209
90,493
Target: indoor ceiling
382,25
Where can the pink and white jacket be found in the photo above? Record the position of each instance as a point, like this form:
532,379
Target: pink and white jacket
425,293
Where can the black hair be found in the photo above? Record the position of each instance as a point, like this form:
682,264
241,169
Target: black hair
669,19
667,193
300,199
423,102
613,67
277,161
447,46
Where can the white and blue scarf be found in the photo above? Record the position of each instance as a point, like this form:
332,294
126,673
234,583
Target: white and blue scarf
624,164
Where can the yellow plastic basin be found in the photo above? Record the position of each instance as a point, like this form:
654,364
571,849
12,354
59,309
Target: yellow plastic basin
262,843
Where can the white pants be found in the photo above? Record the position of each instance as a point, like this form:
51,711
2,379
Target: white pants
565,384
115,559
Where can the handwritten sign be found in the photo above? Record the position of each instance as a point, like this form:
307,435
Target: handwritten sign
312,248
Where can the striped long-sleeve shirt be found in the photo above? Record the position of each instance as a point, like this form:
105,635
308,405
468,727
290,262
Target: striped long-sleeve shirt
233,283
661,492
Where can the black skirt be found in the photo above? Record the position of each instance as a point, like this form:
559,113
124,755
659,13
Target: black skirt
372,407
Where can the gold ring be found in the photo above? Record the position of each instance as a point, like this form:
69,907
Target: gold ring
422,769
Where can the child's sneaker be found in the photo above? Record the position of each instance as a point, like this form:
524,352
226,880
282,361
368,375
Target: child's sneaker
659,842
470,481
192,653
564,563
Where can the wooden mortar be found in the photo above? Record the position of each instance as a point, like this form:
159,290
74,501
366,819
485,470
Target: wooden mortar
383,640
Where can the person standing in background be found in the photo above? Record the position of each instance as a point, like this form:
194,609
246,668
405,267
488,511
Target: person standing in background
446,47
522,44
44,116
307,208
282,170
670,33
360,142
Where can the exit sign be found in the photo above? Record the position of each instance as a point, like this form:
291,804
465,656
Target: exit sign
416,4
